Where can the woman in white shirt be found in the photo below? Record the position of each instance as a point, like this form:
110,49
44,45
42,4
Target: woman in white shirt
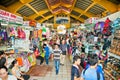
16,71
4,74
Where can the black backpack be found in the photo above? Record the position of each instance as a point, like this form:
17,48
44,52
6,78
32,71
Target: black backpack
98,74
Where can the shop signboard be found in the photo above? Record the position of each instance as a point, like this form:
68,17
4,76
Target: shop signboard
62,20
26,23
91,20
9,17
19,20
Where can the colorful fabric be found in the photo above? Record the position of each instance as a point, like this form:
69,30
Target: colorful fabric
36,52
32,59
20,61
21,34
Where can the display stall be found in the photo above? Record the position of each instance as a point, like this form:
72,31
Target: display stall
110,27
15,39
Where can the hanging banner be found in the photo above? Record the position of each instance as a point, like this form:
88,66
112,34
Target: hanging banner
91,20
26,23
9,17
62,20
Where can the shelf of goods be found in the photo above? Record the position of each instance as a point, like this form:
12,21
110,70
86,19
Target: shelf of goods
112,71
115,47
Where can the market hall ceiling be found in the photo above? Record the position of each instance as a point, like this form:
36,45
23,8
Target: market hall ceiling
45,10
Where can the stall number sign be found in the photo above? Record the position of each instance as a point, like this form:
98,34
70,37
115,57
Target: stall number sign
9,17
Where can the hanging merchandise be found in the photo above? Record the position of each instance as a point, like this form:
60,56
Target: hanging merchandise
44,32
12,31
98,28
5,36
12,41
91,20
32,23
40,33
21,33
32,59
116,23
20,61
107,29
26,65
27,33
35,34
31,35
48,33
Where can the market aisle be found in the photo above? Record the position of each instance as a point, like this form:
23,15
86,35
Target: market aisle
64,73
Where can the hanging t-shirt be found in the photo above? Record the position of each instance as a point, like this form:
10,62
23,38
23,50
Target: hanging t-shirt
27,34
95,39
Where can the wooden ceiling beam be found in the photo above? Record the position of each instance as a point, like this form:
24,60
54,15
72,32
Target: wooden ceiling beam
40,13
37,13
48,6
55,6
32,8
73,5
46,18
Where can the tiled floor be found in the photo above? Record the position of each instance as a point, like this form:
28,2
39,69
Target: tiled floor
64,73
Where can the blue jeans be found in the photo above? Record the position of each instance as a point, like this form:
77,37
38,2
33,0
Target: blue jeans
57,64
47,59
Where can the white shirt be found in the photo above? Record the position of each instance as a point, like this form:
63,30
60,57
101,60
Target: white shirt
11,77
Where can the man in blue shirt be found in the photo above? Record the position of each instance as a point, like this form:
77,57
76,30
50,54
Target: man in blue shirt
91,72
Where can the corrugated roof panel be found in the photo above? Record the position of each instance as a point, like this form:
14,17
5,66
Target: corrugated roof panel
84,17
51,20
46,14
73,20
96,9
25,11
38,4
75,13
38,18
83,4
